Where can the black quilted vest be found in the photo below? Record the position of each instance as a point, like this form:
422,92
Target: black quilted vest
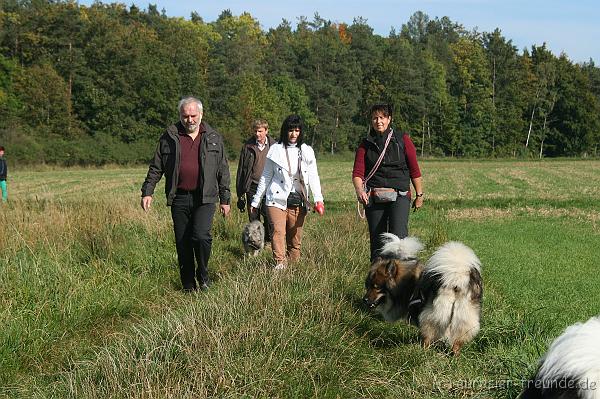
393,171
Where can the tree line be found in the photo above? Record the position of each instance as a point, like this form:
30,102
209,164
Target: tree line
98,84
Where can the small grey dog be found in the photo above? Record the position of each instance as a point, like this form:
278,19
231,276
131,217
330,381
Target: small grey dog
253,237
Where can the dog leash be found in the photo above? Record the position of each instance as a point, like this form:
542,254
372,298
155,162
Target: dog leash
379,160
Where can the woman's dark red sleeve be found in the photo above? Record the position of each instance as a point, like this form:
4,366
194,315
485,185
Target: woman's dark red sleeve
359,162
411,157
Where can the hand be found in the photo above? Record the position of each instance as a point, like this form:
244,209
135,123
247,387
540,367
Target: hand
253,210
320,208
362,197
146,202
417,203
224,209
241,204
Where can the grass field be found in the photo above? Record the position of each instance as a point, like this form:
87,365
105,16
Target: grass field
91,307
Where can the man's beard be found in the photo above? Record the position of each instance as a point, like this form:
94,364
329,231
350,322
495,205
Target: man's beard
190,127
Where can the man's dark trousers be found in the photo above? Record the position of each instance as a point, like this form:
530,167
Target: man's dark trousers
192,222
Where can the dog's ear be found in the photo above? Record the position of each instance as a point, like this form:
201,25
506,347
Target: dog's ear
390,268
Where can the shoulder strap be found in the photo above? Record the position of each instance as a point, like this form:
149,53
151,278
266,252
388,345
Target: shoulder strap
302,185
303,192
387,141
361,214
290,166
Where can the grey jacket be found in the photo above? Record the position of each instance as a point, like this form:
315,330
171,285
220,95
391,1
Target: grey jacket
214,179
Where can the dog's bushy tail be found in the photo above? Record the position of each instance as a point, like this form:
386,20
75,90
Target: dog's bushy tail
404,249
452,264
454,273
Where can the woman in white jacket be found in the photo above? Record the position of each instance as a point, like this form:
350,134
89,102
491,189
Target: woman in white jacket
289,178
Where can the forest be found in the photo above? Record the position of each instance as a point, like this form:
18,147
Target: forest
97,85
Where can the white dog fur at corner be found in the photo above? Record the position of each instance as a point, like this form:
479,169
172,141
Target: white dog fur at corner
571,367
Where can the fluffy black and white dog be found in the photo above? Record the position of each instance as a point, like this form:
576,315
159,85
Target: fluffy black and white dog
253,237
442,297
571,367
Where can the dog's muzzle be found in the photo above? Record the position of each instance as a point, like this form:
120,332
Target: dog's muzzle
254,246
372,303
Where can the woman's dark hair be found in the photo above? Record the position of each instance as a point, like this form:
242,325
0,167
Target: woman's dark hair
384,108
291,122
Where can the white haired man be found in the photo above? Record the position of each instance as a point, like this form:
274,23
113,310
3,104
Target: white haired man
191,155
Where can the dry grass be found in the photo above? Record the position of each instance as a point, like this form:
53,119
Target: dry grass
486,213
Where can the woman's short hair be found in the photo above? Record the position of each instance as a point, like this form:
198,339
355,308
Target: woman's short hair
384,108
289,123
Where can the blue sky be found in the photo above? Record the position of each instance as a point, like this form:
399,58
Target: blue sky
570,26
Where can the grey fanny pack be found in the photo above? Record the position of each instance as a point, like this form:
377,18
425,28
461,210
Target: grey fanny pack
383,194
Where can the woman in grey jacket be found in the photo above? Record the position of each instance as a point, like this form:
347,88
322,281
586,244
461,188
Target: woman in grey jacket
289,179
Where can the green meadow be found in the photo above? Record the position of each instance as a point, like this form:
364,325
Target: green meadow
91,306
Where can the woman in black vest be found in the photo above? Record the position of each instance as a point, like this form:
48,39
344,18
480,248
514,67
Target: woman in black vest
382,183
